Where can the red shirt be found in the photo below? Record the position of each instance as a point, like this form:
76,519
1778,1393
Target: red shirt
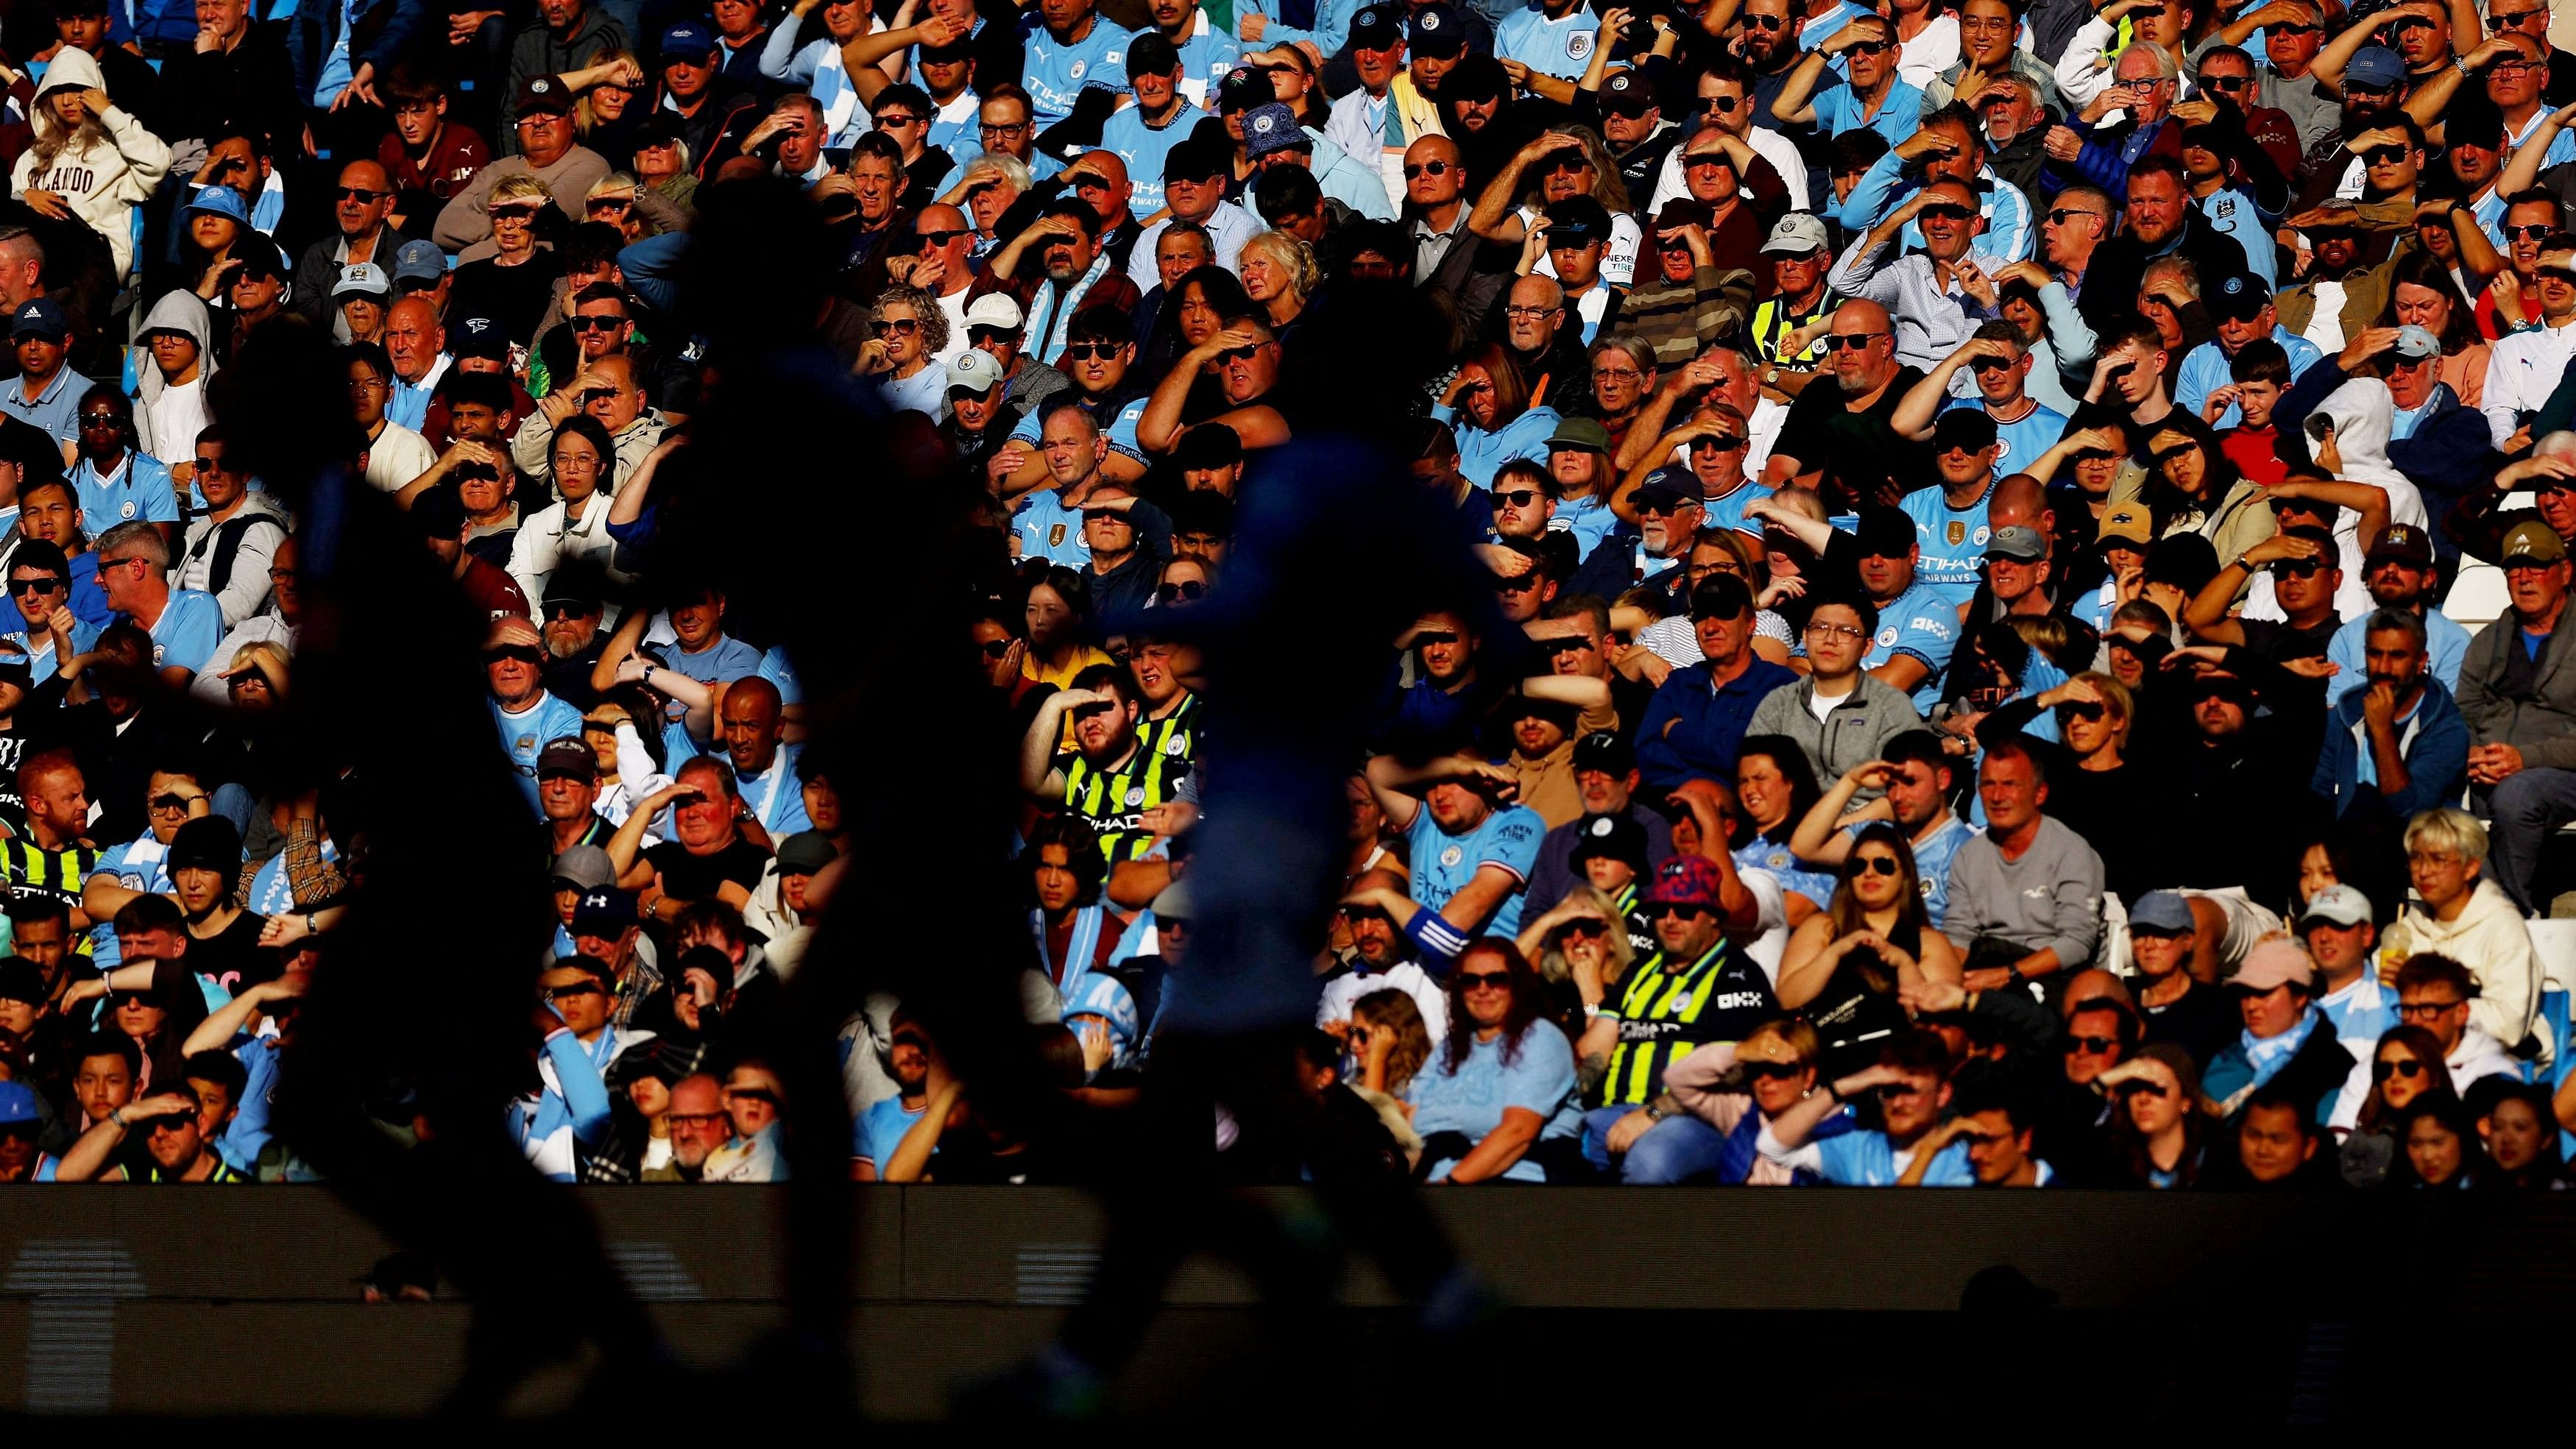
455,154
2250,449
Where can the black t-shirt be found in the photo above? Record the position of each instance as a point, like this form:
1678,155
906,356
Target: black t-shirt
232,958
695,877
1858,451
2201,1021
516,297
2276,642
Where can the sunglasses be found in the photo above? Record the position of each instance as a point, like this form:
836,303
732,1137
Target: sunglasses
979,336
1427,168
359,194
520,214
2383,155
2410,1069
901,326
572,989
897,119
596,324
926,240
1867,47
1946,211
1183,592
1484,980
1657,910
35,586
2084,709
1240,354
1721,105
98,420
2295,568
2064,214
1849,341
2506,20
2225,82
2095,1046
1774,1071
1585,926
1516,498
1874,865
1088,351
1768,22
519,653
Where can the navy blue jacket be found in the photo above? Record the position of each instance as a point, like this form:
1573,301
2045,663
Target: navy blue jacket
2437,761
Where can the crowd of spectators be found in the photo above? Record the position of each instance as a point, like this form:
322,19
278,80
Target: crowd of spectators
2019,556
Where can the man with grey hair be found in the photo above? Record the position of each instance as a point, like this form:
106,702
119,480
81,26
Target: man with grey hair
2144,86
1546,349
185,624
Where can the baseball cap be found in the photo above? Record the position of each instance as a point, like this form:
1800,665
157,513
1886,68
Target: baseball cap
2273,962
21,980
2161,913
544,95
18,1104
1583,433
994,310
1659,492
1885,532
209,842
363,278
1967,427
1152,53
479,337
40,317
2374,66
2239,297
586,868
1795,235
419,261
1478,77
1376,27
1191,161
1576,220
2338,905
2403,542
686,39
2535,541
1605,751
1242,89
1616,837
2017,541
1209,445
603,912
974,370
1687,880
1626,93
2416,344
1436,30
2127,523
568,756
1174,903
1270,127
221,201
806,852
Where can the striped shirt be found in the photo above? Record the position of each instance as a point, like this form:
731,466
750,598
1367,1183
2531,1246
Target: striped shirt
1664,1015
34,871
1114,801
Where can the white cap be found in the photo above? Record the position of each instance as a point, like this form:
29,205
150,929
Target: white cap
994,310
362,277
1795,234
974,370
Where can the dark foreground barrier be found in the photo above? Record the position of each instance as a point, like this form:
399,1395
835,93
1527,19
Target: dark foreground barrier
201,1301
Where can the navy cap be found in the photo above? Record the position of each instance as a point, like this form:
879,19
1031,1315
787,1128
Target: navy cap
1437,29
1242,89
1626,93
2239,297
686,39
1604,750
2161,913
209,842
40,316
1152,54
2375,66
479,337
1377,27
603,912
1617,837
544,95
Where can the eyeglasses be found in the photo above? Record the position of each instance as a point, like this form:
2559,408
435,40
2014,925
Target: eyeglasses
35,586
1873,865
2383,155
2092,1046
993,649
365,384
2508,20
1657,910
597,324
1821,629
1568,163
1849,341
1720,105
1186,591
599,204
1528,314
1427,168
1240,354
517,215
359,194
167,804
1484,980
2514,65
2064,214
695,1120
209,465
2383,1069
989,129
1088,351
2425,1010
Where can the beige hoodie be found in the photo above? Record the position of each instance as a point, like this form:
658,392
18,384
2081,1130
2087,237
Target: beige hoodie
102,179
2490,939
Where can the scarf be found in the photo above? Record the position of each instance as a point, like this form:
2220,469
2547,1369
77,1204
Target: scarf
1078,952
2268,1055
1057,317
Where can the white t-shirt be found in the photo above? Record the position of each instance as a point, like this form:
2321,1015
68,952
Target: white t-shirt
397,456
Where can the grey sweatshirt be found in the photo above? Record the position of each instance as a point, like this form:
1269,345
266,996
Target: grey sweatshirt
2051,897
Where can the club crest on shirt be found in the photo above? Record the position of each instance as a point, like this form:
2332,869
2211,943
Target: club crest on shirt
1450,857
1981,535
1578,45
1135,796
1887,638
1076,69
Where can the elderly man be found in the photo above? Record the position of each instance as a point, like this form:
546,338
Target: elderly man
362,203
549,149
2521,711
2145,84
1839,441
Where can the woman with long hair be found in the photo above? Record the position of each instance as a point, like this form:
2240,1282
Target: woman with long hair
91,161
1774,789
2422,294
575,525
1488,406
1389,1041
1279,272
1503,1083
1847,963
1061,627
1583,945
2406,1066
2521,1135
607,116
2158,1130
1196,311
2195,488
1739,1087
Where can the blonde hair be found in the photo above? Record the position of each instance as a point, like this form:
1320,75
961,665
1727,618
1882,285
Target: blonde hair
519,186
2447,827
582,120
1552,963
608,185
265,657
1294,257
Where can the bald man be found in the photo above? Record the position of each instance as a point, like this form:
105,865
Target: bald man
1840,440
749,723
418,346
1099,180
361,202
